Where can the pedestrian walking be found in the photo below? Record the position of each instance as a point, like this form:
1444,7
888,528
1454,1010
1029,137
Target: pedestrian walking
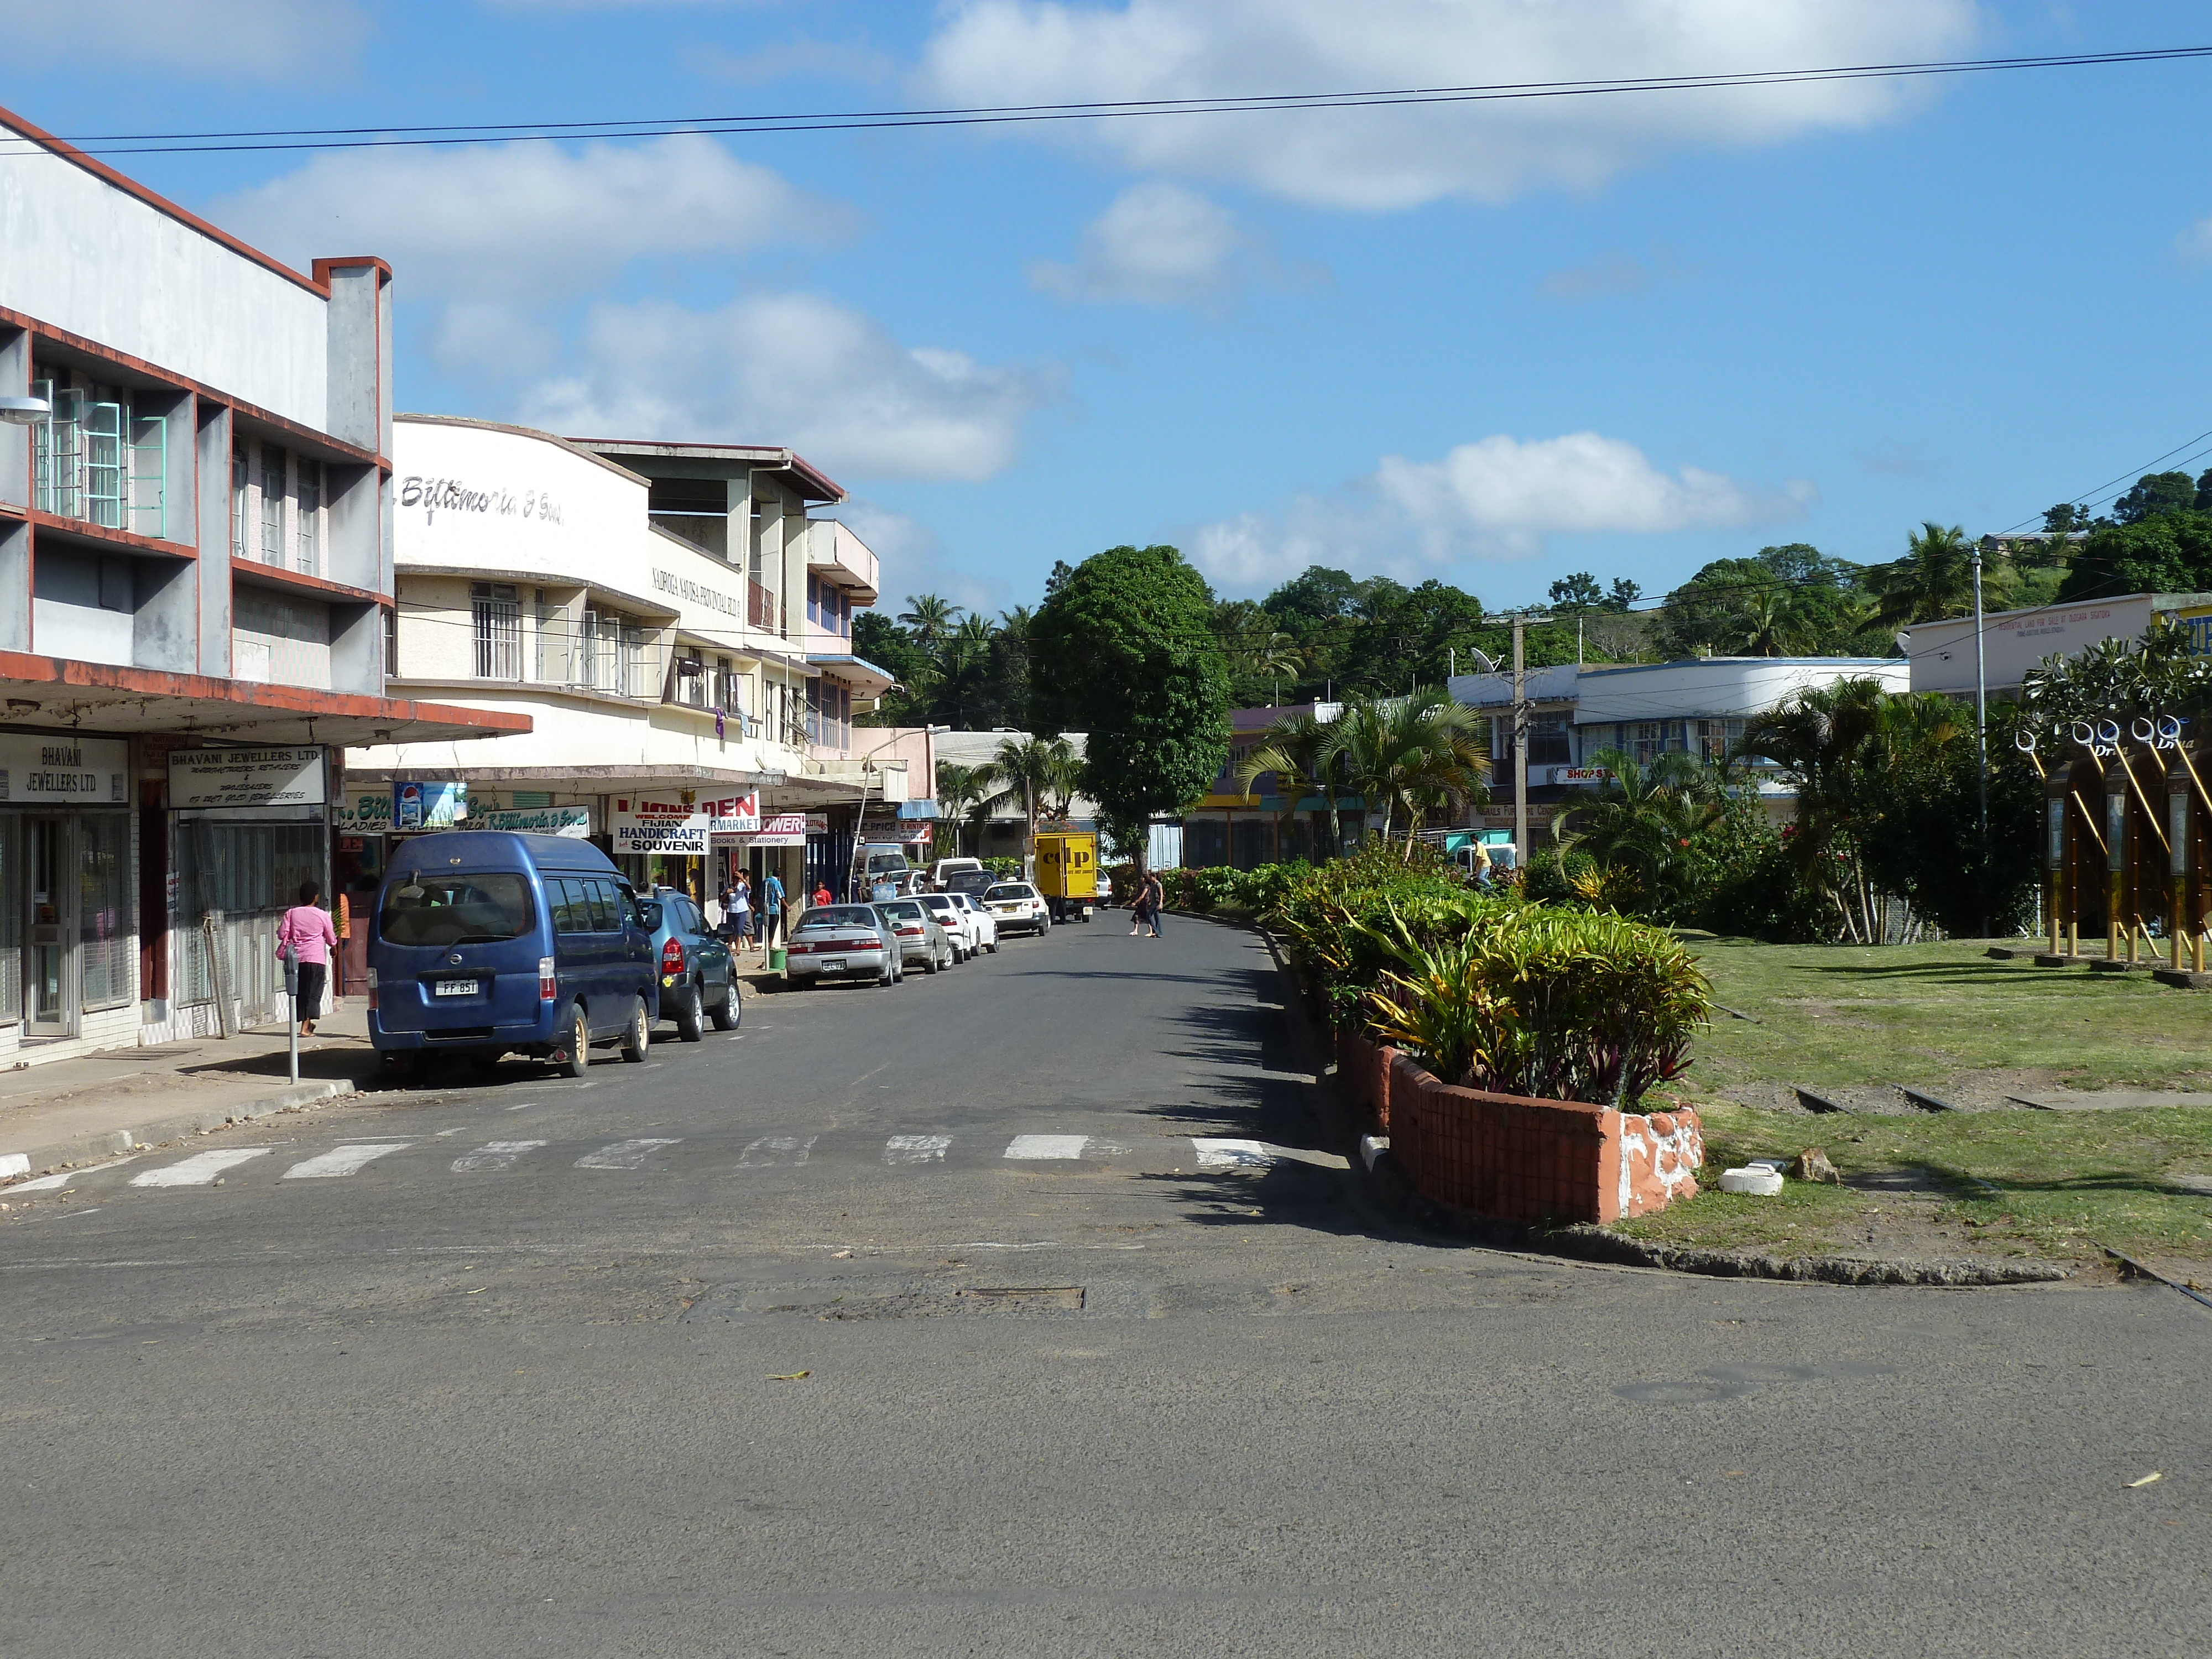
1156,898
1137,901
305,932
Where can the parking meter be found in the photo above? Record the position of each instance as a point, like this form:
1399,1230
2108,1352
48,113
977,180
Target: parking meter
290,958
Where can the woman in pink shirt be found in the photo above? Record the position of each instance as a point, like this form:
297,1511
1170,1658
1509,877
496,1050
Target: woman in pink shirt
307,930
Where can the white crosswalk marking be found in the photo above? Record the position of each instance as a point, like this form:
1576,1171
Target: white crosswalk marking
494,1155
1046,1145
915,1149
200,1168
342,1160
623,1154
1232,1154
776,1149
48,1183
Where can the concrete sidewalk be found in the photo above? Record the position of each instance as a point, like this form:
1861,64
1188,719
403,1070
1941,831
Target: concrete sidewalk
105,1105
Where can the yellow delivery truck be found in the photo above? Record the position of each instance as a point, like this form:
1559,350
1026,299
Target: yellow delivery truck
1067,873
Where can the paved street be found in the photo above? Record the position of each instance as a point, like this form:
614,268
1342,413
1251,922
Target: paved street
1090,1348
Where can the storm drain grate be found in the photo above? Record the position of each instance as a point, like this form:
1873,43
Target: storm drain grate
1024,1298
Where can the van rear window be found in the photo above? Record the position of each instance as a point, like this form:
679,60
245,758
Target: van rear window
455,909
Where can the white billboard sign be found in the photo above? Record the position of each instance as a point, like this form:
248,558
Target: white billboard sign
732,815
246,777
80,771
657,826
786,829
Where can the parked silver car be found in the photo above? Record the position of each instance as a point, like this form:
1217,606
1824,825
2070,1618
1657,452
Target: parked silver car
986,925
838,942
920,941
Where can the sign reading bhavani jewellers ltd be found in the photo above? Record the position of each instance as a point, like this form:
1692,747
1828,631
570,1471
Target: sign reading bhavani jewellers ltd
86,771
246,777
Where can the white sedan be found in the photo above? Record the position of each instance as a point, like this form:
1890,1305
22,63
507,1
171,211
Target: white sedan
986,924
1017,907
959,925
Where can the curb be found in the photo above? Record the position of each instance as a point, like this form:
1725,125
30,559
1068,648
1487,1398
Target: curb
1381,1178
114,1143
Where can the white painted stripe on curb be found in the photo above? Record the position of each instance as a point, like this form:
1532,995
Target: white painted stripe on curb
494,1155
200,1168
916,1149
1046,1145
13,1164
342,1161
623,1154
47,1183
771,1151
1232,1154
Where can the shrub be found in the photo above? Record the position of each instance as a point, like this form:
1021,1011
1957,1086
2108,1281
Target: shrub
1004,869
1550,878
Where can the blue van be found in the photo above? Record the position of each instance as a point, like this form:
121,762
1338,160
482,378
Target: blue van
484,943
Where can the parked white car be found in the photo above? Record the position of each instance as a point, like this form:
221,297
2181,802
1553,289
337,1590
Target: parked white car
986,925
959,925
1019,907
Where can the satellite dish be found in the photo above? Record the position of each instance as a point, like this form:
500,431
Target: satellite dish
1483,662
1904,644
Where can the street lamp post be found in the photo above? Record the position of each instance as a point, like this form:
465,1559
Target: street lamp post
861,823
1521,743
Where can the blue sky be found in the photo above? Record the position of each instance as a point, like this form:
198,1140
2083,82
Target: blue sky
1492,343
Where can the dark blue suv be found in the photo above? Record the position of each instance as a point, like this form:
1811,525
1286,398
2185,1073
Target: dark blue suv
484,943
698,981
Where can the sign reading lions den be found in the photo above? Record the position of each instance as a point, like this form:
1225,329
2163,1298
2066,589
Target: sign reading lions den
83,771
659,826
246,777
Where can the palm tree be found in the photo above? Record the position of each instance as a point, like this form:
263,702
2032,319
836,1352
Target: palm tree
930,619
1291,748
1269,656
1645,820
1934,579
1406,755
1827,738
1030,769
1770,625
959,789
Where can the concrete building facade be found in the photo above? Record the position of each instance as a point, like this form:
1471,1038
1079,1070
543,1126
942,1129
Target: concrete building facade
195,599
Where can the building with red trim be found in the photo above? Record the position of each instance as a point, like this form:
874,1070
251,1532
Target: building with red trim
196,600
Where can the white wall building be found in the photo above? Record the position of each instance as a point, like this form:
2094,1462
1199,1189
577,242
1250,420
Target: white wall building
677,642
1941,653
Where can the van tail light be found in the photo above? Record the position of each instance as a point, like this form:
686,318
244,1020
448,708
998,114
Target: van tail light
372,989
671,957
548,987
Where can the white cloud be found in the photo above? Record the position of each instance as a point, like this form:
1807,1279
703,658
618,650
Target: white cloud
1158,244
2196,243
795,369
527,219
1498,497
1610,274
244,39
1029,52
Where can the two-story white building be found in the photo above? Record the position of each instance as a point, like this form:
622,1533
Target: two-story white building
1697,707
674,625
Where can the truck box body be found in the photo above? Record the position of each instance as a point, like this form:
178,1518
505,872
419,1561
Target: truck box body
1068,871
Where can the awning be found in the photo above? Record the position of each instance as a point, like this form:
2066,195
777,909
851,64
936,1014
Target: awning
60,692
863,677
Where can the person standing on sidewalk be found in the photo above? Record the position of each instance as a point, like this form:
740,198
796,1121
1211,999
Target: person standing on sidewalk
739,910
771,910
306,931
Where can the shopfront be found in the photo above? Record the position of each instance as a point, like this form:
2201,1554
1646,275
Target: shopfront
69,926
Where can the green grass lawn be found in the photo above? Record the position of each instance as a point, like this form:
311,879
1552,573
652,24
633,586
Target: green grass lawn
1924,1014
2000,1182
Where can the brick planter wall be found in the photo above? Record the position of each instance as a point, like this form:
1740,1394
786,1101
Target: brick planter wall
1513,1158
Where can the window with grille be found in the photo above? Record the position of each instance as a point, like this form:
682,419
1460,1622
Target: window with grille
390,644
105,925
272,505
691,680
498,619
310,514
1548,741
239,481
1649,741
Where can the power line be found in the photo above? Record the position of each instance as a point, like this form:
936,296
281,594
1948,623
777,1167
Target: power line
300,138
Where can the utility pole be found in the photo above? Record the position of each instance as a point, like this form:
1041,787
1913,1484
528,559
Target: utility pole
1521,743
1982,740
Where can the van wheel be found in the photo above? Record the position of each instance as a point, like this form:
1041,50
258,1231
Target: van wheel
729,1011
580,1041
688,1025
639,1038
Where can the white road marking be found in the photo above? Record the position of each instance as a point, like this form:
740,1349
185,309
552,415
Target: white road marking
622,1155
199,1169
47,1183
494,1155
1046,1145
915,1149
1232,1154
525,1107
442,1134
776,1149
342,1160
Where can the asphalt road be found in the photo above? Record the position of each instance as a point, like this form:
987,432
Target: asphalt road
517,1382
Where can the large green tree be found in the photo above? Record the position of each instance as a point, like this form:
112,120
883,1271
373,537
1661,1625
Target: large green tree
1124,650
2165,553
